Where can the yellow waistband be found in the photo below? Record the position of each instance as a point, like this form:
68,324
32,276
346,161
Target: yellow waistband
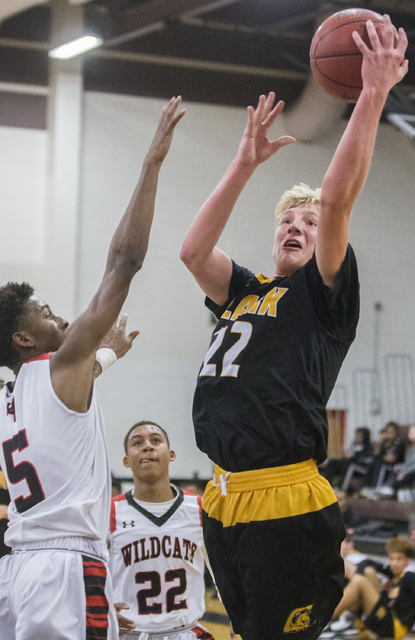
263,478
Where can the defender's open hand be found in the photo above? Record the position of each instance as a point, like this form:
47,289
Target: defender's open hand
164,134
117,338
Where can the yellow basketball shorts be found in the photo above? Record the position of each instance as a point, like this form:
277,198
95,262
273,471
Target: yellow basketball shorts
273,542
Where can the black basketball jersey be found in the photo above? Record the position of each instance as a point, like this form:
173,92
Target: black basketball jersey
272,363
401,597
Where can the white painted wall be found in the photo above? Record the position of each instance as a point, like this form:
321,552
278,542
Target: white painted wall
22,201
156,379
23,187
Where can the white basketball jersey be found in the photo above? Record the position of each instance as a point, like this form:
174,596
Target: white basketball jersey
54,460
157,563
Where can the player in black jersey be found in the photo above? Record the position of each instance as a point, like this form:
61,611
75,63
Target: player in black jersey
272,525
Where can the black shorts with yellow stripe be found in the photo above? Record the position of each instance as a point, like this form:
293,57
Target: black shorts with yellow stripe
383,622
273,542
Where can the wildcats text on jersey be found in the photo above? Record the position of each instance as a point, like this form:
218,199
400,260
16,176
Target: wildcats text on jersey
152,547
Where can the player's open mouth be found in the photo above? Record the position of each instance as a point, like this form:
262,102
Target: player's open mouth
292,244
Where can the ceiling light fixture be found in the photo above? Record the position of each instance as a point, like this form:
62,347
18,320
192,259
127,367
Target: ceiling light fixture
75,47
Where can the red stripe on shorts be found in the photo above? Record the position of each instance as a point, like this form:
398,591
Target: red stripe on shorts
95,574
96,601
95,571
202,634
93,622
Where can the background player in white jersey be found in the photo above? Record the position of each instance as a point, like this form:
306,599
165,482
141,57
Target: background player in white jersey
55,583
156,544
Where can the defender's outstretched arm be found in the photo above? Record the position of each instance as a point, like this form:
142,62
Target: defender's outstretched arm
72,365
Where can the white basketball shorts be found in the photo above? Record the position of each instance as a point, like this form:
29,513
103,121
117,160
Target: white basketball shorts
196,632
55,594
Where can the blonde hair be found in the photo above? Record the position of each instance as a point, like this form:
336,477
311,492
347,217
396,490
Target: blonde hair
300,195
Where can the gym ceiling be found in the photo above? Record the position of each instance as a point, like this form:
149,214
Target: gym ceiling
222,52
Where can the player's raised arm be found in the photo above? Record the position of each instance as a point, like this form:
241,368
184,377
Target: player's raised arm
72,364
383,66
211,267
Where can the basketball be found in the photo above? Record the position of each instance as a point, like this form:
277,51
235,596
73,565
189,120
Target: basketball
334,57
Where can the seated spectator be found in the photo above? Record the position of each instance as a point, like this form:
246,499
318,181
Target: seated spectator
351,518
405,474
387,610
351,557
116,486
193,486
360,453
391,452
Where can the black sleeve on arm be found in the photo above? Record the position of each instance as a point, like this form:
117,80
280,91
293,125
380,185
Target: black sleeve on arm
337,308
239,279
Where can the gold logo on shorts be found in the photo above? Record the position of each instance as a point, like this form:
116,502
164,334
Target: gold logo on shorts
298,619
380,613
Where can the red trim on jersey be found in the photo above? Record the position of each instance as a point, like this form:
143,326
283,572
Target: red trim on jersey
199,500
44,356
113,515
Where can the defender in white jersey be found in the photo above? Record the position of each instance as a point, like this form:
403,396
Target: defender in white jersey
156,545
55,584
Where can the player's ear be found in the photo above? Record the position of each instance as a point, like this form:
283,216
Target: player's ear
23,339
125,462
172,456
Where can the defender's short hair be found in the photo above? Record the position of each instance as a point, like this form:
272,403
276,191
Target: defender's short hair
300,195
142,423
13,297
400,545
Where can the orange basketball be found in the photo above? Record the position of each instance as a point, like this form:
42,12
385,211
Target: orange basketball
335,60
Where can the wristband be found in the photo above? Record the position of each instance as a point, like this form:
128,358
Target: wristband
106,357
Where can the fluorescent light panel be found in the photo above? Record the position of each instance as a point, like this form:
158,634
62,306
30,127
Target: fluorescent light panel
75,47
